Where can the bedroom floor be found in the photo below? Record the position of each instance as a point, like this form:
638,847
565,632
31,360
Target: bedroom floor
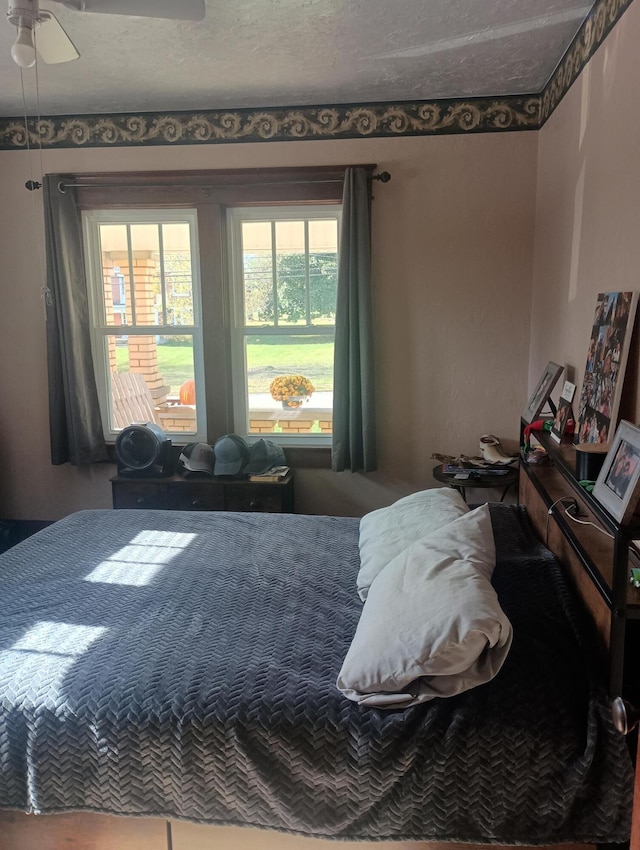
19,831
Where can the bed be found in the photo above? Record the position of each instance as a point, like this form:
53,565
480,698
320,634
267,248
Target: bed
180,668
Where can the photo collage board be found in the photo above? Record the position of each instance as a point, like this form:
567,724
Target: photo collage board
606,362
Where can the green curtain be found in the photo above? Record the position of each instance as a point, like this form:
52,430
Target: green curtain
74,414
354,430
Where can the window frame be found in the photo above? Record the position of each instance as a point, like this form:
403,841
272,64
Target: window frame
235,215
99,330
211,192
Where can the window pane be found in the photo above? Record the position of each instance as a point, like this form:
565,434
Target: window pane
145,250
115,258
151,379
177,274
273,357
257,270
323,270
162,281
303,256
291,265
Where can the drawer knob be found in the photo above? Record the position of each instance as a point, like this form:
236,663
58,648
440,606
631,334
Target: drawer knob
255,505
625,716
196,503
140,501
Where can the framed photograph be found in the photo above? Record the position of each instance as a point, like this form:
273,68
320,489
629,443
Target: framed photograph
617,488
606,363
564,412
542,391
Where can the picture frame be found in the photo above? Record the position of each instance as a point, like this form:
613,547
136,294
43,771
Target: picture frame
564,412
618,485
543,389
607,355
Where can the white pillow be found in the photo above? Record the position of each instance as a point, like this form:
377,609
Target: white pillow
388,531
432,625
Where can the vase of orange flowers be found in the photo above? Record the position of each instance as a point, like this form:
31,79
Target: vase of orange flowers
291,390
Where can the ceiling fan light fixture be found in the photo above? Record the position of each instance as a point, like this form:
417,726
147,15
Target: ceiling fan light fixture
55,46
23,49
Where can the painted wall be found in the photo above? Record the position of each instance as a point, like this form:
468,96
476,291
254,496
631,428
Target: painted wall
587,213
452,261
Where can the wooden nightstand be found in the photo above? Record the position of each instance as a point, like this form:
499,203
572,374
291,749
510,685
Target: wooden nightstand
176,493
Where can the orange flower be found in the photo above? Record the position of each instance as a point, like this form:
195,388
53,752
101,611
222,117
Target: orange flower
285,387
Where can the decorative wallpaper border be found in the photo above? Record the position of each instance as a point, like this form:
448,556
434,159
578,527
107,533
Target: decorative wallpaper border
479,115
354,121
597,26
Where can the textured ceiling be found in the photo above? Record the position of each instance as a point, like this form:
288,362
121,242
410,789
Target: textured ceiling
269,53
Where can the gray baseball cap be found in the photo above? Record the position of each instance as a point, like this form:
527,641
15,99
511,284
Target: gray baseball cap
231,454
197,458
263,455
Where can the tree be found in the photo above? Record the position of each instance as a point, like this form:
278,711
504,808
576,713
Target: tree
292,294
291,287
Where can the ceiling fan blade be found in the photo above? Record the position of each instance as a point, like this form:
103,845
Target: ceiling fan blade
52,42
175,10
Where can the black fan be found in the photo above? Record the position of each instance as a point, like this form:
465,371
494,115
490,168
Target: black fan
143,450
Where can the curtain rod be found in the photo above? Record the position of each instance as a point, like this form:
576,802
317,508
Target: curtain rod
31,185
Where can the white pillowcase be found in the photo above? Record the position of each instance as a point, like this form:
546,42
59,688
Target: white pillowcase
432,625
388,531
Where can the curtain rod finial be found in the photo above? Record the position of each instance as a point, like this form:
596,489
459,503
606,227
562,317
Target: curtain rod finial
31,185
383,177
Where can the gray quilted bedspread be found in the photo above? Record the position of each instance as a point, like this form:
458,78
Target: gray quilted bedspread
184,665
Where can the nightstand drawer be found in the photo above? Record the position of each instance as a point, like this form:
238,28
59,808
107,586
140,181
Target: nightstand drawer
197,496
140,494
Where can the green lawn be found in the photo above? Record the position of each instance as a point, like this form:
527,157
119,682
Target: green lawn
265,362
314,360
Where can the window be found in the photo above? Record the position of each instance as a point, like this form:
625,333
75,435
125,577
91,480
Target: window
218,281
284,269
147,336
146,331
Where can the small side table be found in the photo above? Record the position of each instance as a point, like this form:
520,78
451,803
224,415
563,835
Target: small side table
477,479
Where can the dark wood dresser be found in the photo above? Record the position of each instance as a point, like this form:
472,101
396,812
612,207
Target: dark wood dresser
596,551
176,493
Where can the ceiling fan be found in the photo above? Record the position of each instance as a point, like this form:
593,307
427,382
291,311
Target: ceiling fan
55,46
